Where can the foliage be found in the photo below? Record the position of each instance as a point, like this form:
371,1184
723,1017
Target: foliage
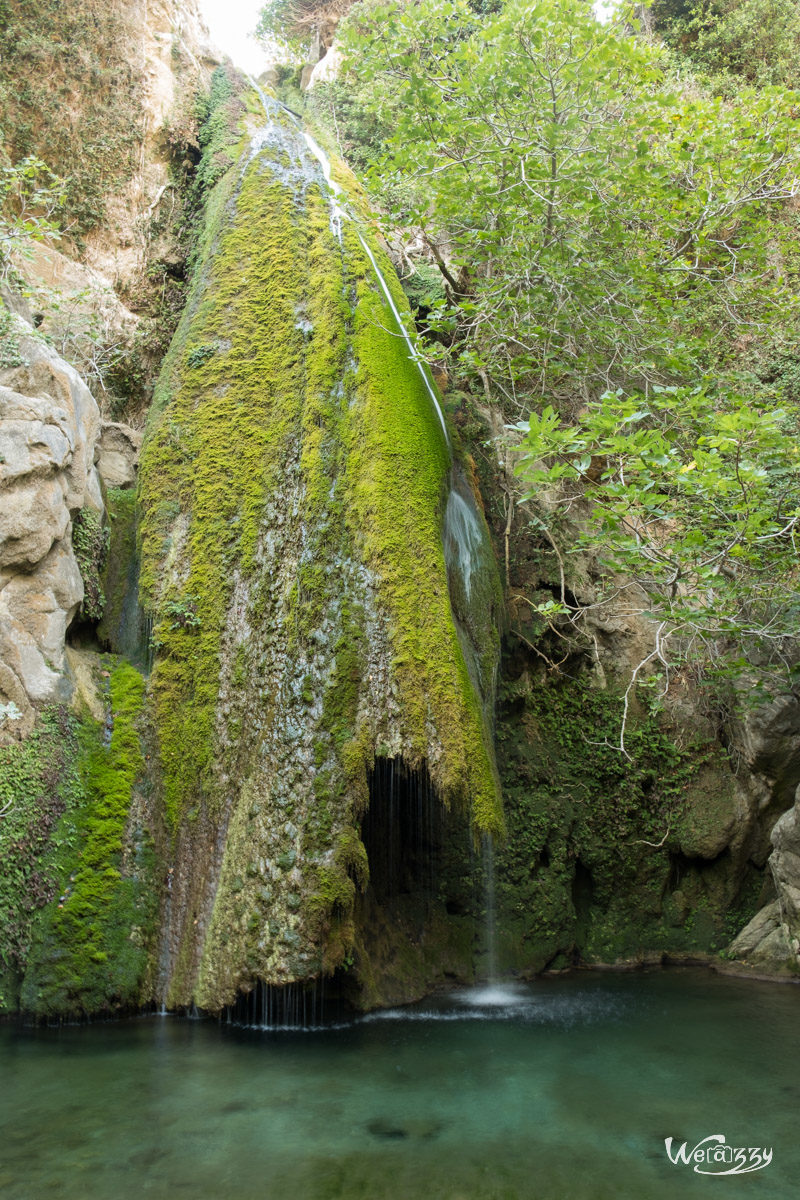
31,197
218,113
617,243
694,499
288,26
587,211
732,40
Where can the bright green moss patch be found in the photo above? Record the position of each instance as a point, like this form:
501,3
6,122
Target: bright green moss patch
89,945
39,783
217,451
399,465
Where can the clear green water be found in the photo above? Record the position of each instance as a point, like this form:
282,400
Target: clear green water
566,1096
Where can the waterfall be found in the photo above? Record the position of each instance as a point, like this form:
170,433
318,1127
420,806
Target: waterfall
462,538
339,213
491,916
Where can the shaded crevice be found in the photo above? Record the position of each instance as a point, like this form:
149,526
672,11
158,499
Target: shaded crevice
305,1004
583,891
402,831
416,922
82,634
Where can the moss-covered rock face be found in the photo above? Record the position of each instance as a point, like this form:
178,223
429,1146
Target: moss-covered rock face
613,859
79,898
293,487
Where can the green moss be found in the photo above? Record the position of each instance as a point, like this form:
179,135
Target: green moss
399,464
594,838
90,543
292,485
39,783
89,946
232,422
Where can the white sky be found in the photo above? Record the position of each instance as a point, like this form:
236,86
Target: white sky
230,22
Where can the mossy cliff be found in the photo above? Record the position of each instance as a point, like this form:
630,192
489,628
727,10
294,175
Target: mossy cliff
78,903
292,487
613,859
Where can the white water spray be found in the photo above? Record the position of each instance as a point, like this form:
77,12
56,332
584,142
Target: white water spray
462,538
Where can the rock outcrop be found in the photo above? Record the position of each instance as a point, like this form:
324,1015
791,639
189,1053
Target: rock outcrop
118,454
49,428
772,938
294,566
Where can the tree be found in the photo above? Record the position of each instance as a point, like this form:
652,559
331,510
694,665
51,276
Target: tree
619,255
296,24
731,40
690,503
31,196
587,210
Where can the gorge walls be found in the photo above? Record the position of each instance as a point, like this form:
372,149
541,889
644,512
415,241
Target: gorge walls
251,643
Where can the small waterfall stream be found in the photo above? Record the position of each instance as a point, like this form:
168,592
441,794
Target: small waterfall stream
464,535
462,538
491,915
340,213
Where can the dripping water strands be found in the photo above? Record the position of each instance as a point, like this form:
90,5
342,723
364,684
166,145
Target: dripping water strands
338,212
402,832
305,1006
493,993
491,911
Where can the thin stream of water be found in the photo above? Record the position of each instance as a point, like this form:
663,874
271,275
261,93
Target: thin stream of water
340,213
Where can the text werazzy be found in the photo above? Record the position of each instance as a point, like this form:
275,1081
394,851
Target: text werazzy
713,1156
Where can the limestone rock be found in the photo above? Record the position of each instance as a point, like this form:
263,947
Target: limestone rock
33,517
36,608
86,666
327,69
118,456
172,58
773,936
764,941
47,391
49,429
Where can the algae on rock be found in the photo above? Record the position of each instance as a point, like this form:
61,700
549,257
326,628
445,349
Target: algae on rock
292,488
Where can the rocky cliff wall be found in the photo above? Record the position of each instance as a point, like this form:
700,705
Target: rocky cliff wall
294,480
